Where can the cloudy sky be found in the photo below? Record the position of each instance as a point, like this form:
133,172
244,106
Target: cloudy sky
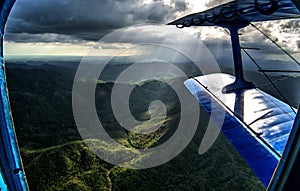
74,27
76,24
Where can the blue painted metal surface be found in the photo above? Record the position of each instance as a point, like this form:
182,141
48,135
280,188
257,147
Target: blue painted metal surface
240,10
12,176
286,177
257,124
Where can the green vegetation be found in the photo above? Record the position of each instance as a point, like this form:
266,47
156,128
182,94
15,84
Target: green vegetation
55,157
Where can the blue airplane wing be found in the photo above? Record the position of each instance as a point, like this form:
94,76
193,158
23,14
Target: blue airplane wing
256,123
287,172
240,10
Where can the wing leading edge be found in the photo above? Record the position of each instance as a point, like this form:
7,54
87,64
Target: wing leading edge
240,10
256,123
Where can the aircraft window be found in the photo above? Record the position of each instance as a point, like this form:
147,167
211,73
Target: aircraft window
100,96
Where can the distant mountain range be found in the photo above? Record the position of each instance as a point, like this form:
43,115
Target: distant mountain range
56,158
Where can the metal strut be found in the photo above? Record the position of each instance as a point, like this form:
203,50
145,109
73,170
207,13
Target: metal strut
240,82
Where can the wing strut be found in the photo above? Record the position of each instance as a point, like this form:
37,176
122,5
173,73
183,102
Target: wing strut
240,82
234,16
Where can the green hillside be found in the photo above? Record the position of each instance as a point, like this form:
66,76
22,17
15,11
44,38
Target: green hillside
55,157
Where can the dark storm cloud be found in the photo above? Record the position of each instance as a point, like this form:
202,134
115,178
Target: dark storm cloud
43,38
86,19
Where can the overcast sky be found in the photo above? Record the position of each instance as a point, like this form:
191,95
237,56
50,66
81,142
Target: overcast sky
89,19
73,27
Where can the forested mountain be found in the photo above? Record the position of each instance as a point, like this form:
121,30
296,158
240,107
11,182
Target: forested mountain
56,158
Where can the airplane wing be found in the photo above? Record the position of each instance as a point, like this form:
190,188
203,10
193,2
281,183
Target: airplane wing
245,10
257,124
